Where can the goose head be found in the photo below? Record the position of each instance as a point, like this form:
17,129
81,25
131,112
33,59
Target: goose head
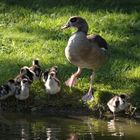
77,22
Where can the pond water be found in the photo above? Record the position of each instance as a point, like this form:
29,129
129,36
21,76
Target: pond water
43,127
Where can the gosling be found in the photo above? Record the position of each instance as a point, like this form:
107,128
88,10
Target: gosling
26,73
22,92
51,82
36,68
118,104
8,89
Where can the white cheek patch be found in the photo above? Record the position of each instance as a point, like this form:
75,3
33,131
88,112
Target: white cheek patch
121,101
103,49
43,79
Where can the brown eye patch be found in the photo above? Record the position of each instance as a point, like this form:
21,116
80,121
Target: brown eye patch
122,96
25,80
73,19
52,74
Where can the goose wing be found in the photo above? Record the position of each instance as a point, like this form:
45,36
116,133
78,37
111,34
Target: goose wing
97,39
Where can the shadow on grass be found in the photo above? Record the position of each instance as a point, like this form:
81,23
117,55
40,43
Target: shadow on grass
109,74
38,98
106,5
136,96
69,97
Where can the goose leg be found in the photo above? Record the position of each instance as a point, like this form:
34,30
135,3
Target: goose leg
114,116
73,79
89,96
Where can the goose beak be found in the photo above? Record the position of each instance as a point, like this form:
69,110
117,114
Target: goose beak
65,26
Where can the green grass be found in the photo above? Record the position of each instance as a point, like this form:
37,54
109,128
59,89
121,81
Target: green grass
31,29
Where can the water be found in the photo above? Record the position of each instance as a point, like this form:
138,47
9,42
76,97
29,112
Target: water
42,127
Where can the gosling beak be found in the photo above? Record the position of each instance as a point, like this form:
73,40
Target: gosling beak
65,26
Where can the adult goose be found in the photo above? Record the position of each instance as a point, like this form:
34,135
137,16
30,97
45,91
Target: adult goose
84,51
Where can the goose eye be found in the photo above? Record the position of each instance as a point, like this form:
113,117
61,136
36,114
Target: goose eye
73,20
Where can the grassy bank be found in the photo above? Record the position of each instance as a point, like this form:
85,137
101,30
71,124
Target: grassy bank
31,29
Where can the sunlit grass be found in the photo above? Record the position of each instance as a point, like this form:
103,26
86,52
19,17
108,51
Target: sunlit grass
30,30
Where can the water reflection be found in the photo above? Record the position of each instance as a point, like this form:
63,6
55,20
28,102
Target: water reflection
41,127
72,137
115,129
52,133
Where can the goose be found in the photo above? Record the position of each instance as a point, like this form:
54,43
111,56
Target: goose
22,92
51,82
84,51
118,103
8,89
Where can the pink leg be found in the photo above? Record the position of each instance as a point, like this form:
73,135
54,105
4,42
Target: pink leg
72,80
89,96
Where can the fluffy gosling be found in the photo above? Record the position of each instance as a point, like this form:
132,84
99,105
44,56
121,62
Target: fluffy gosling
22,92
118,104
51,82
7,89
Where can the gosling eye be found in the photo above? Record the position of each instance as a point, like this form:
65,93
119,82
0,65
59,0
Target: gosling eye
73,19
25,81
52,74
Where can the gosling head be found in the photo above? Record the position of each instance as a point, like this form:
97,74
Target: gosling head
35,62
36,68
25,82
49,73
25,71
54,71
12,84
45,75
123,97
